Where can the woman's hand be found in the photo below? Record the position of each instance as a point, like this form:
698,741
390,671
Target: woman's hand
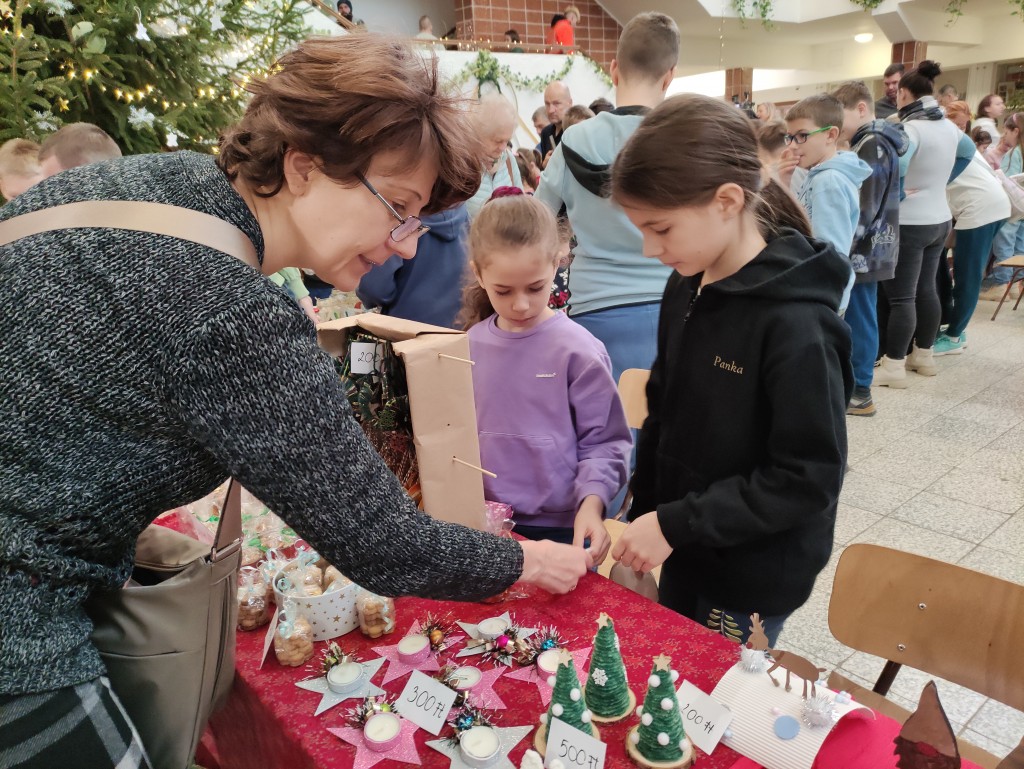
642,546
589,524
556,568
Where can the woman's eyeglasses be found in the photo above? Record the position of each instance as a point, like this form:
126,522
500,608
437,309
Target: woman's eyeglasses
801,137
408,225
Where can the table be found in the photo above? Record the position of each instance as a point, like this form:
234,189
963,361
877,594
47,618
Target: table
269,722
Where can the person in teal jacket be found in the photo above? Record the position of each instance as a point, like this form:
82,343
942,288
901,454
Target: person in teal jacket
291,279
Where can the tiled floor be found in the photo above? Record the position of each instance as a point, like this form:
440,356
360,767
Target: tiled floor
938,471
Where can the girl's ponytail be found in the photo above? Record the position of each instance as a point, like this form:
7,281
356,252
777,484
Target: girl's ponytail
476,306
776,209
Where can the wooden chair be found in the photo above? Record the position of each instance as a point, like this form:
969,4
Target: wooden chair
945,620
1017,263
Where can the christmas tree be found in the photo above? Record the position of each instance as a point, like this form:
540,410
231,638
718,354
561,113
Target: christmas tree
660,739
151,73
566,703
607,693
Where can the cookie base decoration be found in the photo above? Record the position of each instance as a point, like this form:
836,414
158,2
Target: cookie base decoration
684,761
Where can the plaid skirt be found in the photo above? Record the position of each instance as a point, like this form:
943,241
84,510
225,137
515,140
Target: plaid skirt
79,726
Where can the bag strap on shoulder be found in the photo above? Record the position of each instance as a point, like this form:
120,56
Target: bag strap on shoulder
157,218
160,219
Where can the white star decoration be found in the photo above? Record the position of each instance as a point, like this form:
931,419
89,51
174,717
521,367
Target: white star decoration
508,737
477,646
330,699
600,677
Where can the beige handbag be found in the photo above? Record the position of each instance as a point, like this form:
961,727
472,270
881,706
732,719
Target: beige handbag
168,637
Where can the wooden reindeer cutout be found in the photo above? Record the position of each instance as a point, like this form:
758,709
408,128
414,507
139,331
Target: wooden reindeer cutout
926,740
793,664
1015,760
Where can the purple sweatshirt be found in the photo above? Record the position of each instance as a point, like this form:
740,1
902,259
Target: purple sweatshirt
551,424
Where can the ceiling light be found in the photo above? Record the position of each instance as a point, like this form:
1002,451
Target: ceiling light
864,37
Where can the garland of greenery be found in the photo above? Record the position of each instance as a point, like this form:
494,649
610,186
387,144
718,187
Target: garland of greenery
761,9
487,69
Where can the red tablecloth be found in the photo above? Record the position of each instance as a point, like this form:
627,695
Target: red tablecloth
269,722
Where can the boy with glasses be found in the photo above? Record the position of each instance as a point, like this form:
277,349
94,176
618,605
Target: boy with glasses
831,192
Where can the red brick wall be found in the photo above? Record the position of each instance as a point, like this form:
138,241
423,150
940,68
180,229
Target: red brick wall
596,34
739,81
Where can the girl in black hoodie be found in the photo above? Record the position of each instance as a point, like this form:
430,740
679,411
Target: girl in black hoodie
740,462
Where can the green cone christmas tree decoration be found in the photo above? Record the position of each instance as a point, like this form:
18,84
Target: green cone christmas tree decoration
607,694
659,741
566,703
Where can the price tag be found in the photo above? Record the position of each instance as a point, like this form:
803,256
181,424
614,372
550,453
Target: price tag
365,357
704,719
270,636
573,748
426,702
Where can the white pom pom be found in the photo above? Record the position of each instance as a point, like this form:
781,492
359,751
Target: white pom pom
682,744
653,681
646,719
634,737
557,710
674,675
639,710
544,718
666,704
551,681
574,695
663,739
585,716
557,764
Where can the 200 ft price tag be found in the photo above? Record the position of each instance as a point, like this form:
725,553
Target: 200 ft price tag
573,748
426,702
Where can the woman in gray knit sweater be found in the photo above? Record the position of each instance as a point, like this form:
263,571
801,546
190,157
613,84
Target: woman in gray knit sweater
138,370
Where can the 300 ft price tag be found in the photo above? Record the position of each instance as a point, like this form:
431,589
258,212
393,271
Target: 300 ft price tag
573,748
426,702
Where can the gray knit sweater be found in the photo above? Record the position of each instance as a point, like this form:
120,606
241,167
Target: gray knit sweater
136,372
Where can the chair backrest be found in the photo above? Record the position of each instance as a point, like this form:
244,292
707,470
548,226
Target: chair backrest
946,620
644,585
633,393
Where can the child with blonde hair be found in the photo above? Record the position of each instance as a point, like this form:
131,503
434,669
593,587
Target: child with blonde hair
551,424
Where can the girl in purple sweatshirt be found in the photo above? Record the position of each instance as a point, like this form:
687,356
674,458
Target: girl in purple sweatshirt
551,424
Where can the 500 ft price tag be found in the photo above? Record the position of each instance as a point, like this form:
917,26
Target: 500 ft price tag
573,748
426,702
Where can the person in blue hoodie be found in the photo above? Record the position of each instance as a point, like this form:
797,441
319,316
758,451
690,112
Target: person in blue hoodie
740,460
428,287
876,241
614,292
831,192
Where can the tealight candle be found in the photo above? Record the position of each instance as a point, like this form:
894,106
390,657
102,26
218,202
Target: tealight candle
547,662
466,677
345,678
413,649
381,732
491,628
479,746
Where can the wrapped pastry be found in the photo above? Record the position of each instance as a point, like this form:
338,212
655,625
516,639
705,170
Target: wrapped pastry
253,607
293,639
376,614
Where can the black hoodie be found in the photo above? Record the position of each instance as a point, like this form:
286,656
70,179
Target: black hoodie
743,452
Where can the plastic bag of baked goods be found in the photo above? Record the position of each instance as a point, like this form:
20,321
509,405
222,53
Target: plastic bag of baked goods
253,606
376,614
293,638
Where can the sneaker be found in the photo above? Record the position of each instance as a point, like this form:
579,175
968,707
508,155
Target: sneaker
948,345
861,404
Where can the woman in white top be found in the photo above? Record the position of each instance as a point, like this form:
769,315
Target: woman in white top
911,297
990,109
980,207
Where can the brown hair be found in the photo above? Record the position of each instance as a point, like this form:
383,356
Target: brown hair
921,81
19,157
577,113
686,148
514,221
771,136
894,69
1016,121
984,104
822,109
346,99
79,144
959,108
980,136
854,92
648,47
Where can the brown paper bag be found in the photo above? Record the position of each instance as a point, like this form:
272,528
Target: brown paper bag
442,407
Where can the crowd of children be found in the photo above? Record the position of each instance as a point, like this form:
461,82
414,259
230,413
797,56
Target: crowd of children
768,273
